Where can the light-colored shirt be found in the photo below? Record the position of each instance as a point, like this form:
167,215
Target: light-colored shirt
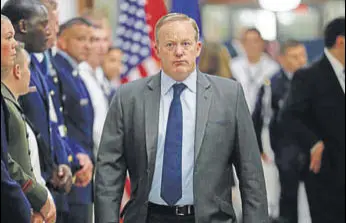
252,76
338,68
98,99
35,158
188,102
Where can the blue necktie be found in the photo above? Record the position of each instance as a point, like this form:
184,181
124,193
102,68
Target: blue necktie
171,185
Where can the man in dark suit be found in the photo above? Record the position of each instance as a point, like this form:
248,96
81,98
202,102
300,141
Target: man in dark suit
177,134
288,156
315,116
73,43
14,205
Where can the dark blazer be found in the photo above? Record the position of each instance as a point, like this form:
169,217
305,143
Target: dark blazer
286,148
315,110
224,135
79,117
14,205
18,148
36,108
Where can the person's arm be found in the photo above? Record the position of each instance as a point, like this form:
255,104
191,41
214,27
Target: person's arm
14,204
36,193
257,118
248,166
110,166
296,111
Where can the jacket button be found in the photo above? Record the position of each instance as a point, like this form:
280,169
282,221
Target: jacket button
61,109
52,93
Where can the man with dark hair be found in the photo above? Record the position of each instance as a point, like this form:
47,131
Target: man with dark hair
73,44
284,152
314,115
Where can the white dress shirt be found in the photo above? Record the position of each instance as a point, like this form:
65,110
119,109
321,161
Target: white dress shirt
338,68
35,158
252,76
98,99
188,102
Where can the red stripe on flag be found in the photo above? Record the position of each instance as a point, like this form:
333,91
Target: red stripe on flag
154,9
142,70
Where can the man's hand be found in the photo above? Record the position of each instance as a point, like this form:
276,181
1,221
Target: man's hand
84,175
62,178
48,211
36,218
265,158
316,157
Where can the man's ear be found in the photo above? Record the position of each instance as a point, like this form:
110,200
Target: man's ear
23,26
61,43
17,72
156,48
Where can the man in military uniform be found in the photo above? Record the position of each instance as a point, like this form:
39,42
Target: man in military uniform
73,44
12,86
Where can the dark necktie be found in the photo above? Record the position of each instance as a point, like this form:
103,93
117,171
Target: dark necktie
171,185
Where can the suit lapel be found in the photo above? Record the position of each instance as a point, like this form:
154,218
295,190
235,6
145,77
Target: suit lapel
332,79
152,112
203,101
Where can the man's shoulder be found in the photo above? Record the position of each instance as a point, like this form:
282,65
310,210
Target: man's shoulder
137,87
221,83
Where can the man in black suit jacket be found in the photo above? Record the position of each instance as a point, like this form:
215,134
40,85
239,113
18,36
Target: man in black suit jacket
288,156
315,115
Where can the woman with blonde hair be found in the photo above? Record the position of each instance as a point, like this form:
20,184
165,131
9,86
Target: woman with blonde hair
215,60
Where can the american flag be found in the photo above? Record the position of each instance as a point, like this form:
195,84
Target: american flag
135,36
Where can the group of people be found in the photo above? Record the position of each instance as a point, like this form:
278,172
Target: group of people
185,137
298,115
56,87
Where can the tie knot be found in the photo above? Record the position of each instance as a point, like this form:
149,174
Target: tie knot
178,89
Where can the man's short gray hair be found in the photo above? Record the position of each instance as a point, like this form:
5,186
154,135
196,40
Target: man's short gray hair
173,17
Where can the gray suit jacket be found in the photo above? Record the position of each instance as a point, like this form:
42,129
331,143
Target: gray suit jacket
224,135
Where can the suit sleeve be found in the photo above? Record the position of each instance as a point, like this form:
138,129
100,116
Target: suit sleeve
296,110
258,119
110,167
36,193
14,204
249,167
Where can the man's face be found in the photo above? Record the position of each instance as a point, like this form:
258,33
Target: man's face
177,48
53,23
294,58
97,46
37,32
112,64
253,44
8,44
104,42
76,41
341,46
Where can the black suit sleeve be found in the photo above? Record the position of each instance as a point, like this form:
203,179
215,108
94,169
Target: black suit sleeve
14,205
257,118
297,109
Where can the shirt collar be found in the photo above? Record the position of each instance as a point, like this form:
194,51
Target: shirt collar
67,57
337,66
39,57
167,82
54,50
289,75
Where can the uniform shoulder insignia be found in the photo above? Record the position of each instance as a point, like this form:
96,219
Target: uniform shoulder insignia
267,82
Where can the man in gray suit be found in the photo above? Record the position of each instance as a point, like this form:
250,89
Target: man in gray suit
177,134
